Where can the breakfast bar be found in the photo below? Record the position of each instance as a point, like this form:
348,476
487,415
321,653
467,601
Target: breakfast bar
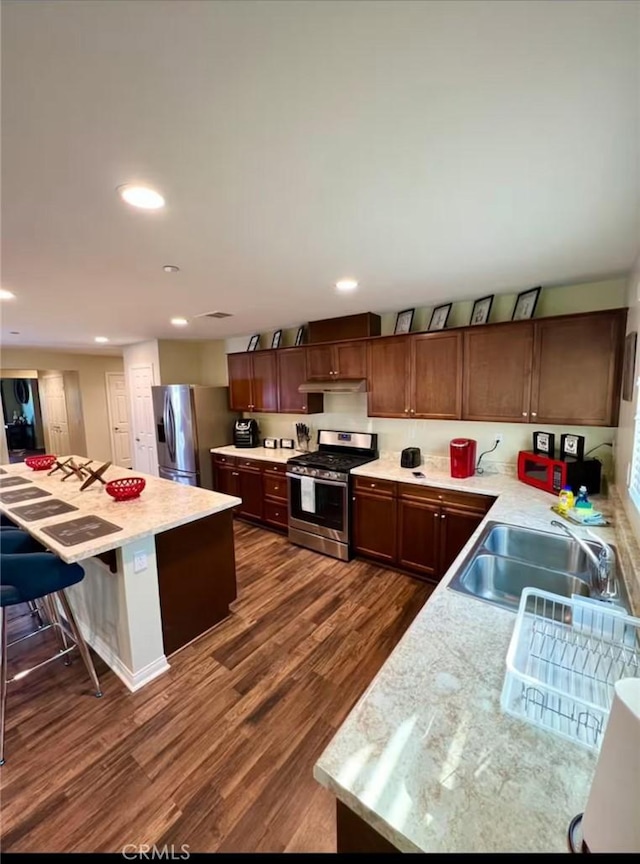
163,575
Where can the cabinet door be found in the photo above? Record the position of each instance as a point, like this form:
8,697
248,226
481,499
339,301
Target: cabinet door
436,376
291,374
226,479
418,531
350,360
576,369
456,526
240,372
389,378
374,526
497,372
264,381
250,490
319,362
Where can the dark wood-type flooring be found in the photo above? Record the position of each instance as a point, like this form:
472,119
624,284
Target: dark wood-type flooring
218,752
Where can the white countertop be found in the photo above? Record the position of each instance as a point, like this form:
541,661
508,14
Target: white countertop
263,454
162,505
426,756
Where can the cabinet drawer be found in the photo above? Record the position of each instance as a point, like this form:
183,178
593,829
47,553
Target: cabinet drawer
248,464
275,487
275,468
423,493
479,503
276,513
219,459
376,486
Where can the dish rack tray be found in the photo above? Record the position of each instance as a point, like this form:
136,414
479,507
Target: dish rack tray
563,661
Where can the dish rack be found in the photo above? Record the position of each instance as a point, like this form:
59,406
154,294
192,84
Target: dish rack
563,661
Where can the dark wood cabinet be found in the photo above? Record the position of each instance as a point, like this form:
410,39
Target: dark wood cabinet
291,365
418,533
374,525
346,327
576,369
252,381
343,360
436,376
261,485
225,478
250,490
389,377
457,524
497,372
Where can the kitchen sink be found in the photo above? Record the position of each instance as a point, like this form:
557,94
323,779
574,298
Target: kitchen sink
506,559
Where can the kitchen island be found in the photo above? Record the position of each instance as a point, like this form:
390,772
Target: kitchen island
427,761
164,577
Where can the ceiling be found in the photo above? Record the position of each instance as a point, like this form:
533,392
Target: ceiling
434,151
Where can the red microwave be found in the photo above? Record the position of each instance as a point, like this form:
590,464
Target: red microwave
553,475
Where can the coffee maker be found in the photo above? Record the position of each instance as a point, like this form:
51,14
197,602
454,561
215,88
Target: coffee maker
463,457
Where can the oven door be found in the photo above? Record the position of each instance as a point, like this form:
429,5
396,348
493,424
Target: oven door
319,507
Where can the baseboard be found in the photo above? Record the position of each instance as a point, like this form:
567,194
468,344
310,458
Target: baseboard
132,680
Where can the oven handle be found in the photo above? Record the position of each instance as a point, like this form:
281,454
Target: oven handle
342,483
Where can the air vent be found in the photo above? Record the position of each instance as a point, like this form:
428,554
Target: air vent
215,315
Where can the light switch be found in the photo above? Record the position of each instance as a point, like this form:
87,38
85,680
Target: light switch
139,562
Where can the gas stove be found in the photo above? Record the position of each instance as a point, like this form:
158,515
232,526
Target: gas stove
338,454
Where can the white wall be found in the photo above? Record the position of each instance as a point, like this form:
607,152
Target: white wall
628,410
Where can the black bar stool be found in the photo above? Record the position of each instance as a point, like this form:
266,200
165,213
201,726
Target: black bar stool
37,576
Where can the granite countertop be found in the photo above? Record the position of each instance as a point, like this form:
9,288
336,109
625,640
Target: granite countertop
162,505
426,756
262,454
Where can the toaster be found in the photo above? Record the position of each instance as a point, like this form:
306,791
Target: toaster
410,457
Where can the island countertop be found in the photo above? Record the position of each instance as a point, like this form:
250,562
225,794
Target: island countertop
426,757
162,505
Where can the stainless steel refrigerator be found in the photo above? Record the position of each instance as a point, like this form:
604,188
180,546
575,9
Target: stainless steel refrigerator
189,421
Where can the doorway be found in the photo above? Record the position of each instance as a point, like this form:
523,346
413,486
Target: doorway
22,412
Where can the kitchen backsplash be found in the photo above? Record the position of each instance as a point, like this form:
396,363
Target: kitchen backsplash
349,412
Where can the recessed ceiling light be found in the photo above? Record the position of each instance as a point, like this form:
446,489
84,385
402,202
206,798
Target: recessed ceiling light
141,196
346,285
170,268
179,322
6,295
101,339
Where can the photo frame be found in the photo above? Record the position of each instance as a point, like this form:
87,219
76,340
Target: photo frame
481,310
254,342
629,366
300,336
526,303
439,317
277,339
404,320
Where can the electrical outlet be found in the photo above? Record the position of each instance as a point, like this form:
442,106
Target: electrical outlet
139,562
499,438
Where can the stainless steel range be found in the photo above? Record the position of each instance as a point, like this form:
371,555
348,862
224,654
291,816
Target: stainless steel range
319,496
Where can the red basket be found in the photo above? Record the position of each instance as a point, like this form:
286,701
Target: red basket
40,463
125,488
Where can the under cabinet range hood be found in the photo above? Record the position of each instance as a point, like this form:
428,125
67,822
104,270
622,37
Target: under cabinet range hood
346,386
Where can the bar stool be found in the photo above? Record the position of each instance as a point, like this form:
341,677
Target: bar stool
37,576
14,539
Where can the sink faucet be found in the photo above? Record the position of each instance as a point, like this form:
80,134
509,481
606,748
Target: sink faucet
603,581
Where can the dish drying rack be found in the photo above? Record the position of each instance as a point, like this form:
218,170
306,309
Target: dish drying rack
564,658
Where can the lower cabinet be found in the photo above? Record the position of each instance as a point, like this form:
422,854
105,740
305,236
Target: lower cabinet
418,528
250,490
262,486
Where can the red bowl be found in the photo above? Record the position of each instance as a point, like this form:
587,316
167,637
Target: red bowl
40,463
125,488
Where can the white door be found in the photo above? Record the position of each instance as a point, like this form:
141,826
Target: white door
118,408
54,409
144,431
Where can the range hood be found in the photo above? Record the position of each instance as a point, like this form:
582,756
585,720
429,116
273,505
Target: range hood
348,386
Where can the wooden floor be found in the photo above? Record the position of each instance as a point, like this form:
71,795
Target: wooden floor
218,752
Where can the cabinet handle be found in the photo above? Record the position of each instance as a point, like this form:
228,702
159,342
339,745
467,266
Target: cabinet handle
534,413
524,413
234,474
435,515
406,410
354,498
413,411
277,513
275,488
443,516
373,485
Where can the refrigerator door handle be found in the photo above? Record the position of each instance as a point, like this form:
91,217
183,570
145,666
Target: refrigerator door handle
170,426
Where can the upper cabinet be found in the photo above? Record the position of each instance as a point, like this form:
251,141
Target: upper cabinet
416,376
291,374
338,361
253,381
576,369
563,370
497,372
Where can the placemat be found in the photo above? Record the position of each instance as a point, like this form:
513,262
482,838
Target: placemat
80,530
15,495
43,509
12,481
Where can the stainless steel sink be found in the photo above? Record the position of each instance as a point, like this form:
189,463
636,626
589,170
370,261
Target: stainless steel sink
554,551
505,560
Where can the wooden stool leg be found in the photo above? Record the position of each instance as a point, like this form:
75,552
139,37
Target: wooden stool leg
3,677
79,640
